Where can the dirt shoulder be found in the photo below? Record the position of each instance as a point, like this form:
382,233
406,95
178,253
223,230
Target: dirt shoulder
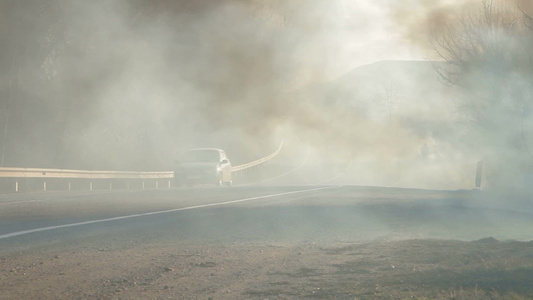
484,269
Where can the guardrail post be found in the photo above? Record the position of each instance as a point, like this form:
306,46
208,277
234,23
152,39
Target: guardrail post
29,179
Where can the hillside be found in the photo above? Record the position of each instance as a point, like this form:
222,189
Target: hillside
407,87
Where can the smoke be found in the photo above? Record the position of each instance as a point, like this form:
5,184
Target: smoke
485,46
135,82
131,84
420,21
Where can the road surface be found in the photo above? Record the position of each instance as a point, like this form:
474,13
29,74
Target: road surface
260,242
335,213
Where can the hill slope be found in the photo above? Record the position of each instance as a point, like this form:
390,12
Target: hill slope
407,87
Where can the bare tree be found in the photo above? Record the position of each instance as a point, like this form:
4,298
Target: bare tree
389,98
483,41
488,57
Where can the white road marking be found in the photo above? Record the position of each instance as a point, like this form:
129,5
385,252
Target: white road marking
17,202
19,233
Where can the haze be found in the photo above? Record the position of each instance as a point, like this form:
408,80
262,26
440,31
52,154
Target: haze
128,85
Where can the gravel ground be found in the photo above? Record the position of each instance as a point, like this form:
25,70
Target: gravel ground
432,269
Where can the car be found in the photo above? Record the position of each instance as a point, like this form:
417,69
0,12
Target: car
203,166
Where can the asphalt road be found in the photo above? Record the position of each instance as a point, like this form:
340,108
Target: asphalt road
331,214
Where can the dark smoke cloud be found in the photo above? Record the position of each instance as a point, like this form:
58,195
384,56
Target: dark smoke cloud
418,20
129,84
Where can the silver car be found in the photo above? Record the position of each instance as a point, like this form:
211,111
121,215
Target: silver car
203,166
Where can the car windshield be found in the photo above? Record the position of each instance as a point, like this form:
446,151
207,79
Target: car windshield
201,156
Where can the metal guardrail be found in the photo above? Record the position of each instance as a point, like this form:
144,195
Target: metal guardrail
61,173
37,179
85,174
257,162
15,179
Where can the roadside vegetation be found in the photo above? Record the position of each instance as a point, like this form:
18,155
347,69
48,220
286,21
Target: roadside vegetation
488,56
